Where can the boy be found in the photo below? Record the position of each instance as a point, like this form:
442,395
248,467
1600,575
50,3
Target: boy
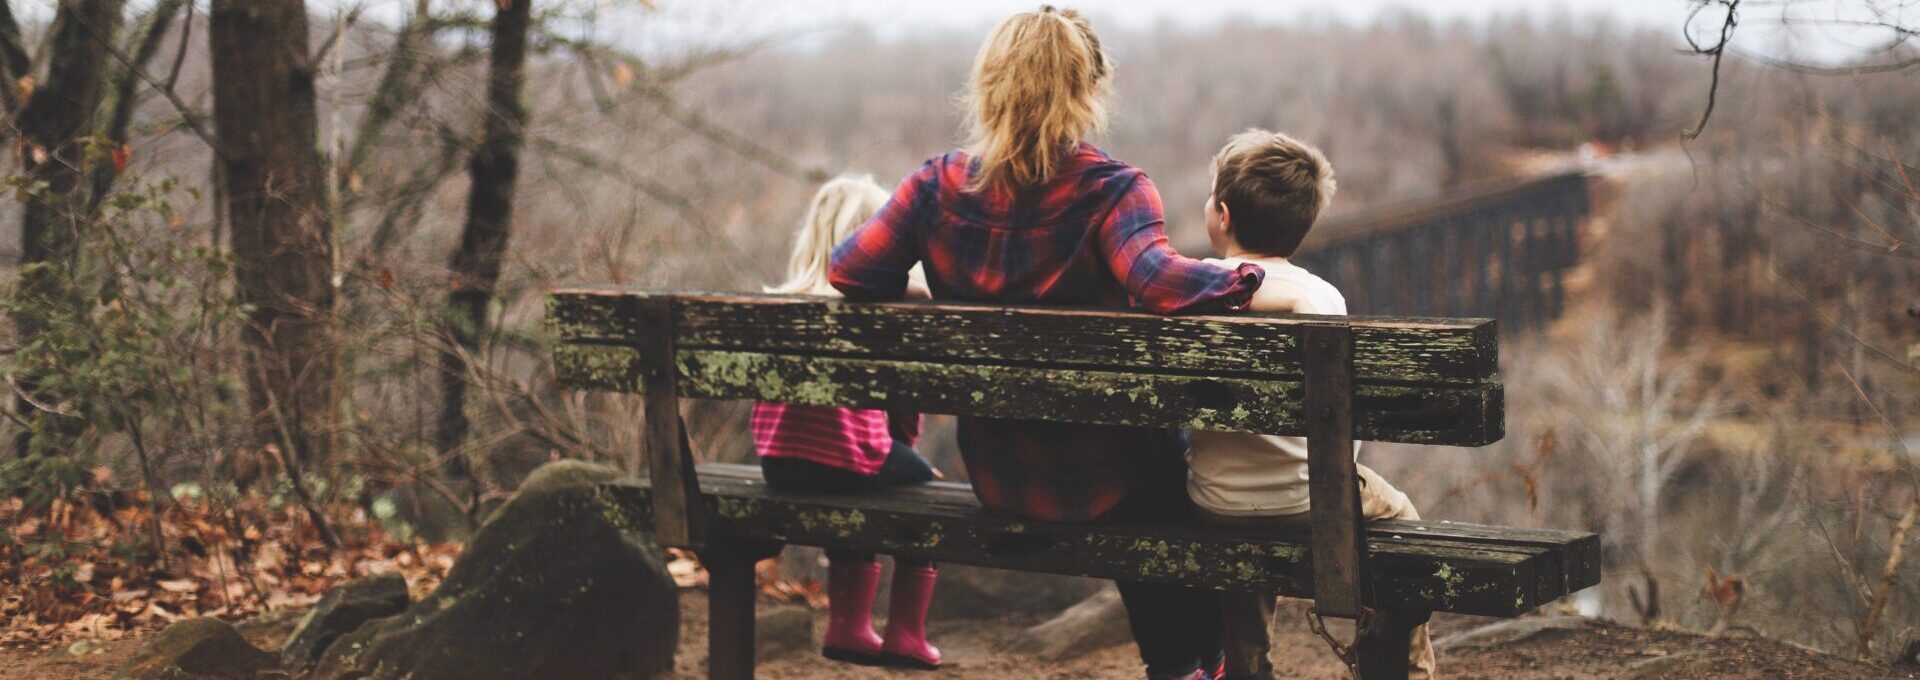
1267,191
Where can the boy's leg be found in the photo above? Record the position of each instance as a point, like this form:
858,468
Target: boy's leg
1244,618
1379,500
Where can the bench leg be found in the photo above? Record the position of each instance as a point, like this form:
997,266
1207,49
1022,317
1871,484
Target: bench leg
730,594
1383,651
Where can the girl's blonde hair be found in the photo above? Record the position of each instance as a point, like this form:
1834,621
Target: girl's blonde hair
839,207
1038,88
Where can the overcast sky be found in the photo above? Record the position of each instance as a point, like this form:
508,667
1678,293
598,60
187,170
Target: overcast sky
1760,29
727,20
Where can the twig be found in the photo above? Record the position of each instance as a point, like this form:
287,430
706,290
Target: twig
1833,324
125,99
1719,53
1897,543
180,55
1895,549
1832,71
340,29
153,487
290,461
187,114
700,124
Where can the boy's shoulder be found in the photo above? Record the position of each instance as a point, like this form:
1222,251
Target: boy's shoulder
1289,288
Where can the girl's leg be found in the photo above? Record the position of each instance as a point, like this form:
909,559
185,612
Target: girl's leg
794,474
851,580
851,576
904,466
906,642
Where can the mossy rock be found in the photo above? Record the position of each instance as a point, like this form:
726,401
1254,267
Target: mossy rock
198,649
557,584
342,611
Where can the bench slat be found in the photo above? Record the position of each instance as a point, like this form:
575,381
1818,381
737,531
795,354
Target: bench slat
1461,415
1411,350
1577,552
1461,574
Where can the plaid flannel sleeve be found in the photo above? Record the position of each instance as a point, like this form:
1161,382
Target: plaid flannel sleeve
1161,280
874,262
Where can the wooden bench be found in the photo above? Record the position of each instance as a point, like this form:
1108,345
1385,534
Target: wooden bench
1331,379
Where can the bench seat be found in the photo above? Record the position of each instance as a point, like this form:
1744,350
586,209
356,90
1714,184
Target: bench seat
1437,566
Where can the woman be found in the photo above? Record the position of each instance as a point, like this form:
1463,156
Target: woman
1030,213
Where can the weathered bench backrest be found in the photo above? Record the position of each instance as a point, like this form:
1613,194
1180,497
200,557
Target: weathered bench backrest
1332,379
1423,381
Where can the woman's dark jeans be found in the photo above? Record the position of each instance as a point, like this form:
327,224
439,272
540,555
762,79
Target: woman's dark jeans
1178,629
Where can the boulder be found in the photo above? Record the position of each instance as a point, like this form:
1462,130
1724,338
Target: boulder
782,630
558,583
198,649
1094,624
340,612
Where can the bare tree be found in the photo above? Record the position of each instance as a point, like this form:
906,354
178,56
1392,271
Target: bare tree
53,128
14,62
483,242
124,98
1636,413
267,122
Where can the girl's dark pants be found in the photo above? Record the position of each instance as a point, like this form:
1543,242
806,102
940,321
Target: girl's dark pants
904,466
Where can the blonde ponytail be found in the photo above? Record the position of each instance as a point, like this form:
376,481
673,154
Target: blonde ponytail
839,207
1038,88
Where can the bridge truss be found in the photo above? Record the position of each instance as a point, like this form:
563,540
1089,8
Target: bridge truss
1501,250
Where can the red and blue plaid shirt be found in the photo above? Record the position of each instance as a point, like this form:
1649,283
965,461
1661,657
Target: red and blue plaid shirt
1095,235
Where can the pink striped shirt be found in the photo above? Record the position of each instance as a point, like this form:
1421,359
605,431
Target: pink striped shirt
856,440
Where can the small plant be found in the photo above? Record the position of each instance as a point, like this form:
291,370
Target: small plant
123,367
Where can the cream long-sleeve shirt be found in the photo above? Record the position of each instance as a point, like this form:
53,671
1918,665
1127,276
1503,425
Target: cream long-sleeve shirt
1237,473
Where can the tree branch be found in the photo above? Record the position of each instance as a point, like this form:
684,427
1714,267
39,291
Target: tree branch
125,95
1719,53
188,115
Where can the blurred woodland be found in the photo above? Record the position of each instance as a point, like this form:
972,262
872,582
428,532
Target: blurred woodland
274,277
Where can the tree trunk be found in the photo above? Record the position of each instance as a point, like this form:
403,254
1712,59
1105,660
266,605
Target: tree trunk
265,111
13,58
483,242
53,127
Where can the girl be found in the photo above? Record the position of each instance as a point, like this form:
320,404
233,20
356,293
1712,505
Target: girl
841,450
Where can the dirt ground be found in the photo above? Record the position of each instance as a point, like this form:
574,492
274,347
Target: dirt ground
976,649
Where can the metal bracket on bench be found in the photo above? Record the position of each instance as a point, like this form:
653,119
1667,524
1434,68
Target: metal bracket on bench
679,514
1342,579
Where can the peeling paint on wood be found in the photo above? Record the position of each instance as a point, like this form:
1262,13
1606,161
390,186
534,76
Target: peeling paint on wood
1451,414
1387,349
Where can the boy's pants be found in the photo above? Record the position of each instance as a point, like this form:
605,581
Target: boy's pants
1245,616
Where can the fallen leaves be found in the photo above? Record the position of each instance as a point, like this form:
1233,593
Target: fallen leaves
83,569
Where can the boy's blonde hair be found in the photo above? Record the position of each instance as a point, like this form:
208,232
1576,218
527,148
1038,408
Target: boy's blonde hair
1038,88
839,207
1274,188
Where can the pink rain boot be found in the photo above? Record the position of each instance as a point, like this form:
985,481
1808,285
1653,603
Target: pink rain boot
850,638
906,644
